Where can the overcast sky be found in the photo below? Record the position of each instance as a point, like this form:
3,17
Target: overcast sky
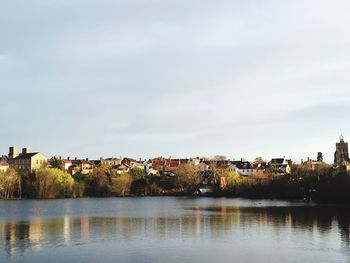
241,78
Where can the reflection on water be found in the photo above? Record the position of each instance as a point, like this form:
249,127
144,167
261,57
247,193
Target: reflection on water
323,229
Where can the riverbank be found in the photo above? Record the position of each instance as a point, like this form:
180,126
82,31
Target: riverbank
325,185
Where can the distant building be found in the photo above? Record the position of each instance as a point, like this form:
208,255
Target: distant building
341,154
168,165
203,166
280,166
26,161
277,164
132,163
83,166
67,163
243,168
123,168
261,168
149,169
4,165
110,161
195,161
312,164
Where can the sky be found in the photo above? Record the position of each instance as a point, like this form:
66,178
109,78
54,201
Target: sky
184,78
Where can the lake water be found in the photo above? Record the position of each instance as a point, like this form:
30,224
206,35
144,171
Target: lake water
170,229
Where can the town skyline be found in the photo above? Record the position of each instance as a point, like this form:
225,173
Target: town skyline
97,156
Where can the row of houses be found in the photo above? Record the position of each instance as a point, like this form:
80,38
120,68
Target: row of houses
27,161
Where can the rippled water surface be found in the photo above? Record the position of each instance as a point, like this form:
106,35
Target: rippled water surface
169,229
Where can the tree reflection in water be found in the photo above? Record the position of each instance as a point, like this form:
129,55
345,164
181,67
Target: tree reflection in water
197,223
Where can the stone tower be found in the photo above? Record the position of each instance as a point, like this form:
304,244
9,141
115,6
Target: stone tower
342,151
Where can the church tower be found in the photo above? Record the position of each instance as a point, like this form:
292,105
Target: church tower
342,151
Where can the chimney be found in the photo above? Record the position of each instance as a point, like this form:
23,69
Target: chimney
13,152
60,157
68,158
25,150
76,158
87,159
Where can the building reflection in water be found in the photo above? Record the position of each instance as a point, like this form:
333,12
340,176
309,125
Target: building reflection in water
84,228
196,223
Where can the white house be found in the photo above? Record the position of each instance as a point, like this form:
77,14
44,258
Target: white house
243,168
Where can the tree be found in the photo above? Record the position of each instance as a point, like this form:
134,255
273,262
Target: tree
138,173
139,183
98,183
152,186
237,184
56,163
121,184
53,183
9,184
188,178
257,161
217,158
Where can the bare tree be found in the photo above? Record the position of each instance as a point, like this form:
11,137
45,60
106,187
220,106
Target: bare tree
188,178
121,184
9,184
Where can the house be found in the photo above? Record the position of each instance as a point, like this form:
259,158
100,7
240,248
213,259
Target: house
67,163
312,164
168,165
261,168
83,166
243,168
280,165
195,161
128,161
110,161
276,164
26,161
123,168
203,166
4,166
149,169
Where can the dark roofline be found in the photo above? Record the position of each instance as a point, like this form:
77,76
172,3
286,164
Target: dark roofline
25,156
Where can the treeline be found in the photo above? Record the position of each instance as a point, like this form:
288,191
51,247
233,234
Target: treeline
102,182
324,184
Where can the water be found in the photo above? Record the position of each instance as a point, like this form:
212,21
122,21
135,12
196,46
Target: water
169,229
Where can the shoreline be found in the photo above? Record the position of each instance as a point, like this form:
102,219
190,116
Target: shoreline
311,202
